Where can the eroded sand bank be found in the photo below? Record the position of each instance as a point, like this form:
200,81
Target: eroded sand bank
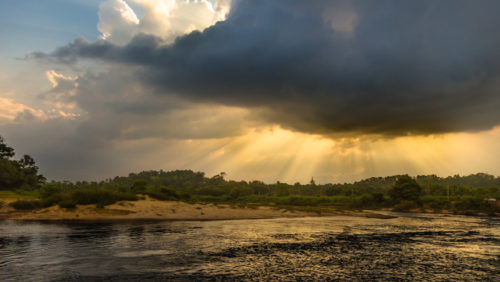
150,209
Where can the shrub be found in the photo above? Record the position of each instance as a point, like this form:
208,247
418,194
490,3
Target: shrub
436,202
281,190
124,189
368,201
210,199
297,201
169,192
184,195
404,206
211,191
67,203
238,192
139,186
126,197
474,204
87,197
26,205
100,197
163,193
50,189
51,200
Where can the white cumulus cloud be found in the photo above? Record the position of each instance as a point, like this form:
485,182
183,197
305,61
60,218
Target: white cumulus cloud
118,22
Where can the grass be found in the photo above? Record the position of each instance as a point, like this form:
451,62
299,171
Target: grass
19,194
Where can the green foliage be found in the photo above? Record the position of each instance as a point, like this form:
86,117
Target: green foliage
259,188
139,186
6,152
405,189
470,204
100,197
369,193
403,193
303,201
240,191
17,174
10,176
405,205
211,191
50,189
67,203
372,200
436,203
53,199
281,190
26,204
20,179
163,193
19,194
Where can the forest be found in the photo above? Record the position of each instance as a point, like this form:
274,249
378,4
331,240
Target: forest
461,194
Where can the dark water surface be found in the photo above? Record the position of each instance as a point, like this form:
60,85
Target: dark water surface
410,247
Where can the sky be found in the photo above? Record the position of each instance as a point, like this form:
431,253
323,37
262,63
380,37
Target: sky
283,90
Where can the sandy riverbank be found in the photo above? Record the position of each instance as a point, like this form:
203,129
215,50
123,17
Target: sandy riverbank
150,209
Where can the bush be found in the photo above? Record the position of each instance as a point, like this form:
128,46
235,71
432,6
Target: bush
210,199
26,205
67,203
162,193
50,189
139,186
472,204
436,202
184,195
238,192
211,191
53,199
339,200
404,206
372,200
281,190
100,197
298,201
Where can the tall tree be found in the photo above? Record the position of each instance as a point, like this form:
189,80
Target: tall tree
405,188
6,152
17,174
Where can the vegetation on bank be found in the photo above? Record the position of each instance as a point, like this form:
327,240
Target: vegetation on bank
462,194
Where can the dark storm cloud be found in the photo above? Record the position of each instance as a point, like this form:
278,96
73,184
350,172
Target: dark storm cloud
385,67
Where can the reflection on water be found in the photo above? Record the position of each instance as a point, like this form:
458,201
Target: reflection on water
410,247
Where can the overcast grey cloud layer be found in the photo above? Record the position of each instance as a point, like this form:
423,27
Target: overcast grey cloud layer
384,67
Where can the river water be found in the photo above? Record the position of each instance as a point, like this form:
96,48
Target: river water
409,247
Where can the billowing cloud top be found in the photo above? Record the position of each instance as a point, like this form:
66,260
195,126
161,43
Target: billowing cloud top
384,67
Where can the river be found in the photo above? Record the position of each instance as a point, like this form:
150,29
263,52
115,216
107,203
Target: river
409,247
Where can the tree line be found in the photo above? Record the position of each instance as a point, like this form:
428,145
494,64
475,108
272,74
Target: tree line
400,192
